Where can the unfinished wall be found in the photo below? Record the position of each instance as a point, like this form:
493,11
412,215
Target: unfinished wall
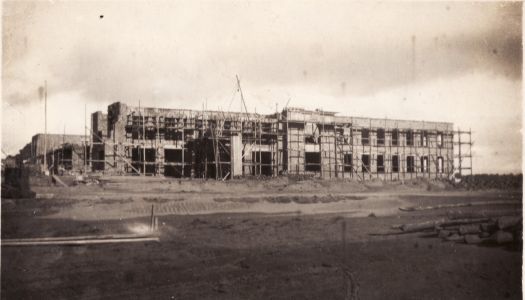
100,144
68,158
52,141
214,144
322,144
185,143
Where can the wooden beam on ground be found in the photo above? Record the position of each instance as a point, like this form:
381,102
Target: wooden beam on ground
83,237
415,227
78,242
479,203
453,215
59,181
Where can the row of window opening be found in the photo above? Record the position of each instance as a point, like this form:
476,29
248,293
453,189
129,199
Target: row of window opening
395,164
409,135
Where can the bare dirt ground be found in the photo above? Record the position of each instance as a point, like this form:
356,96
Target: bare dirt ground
274,239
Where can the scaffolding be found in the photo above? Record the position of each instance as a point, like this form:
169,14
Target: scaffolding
463,156
223,145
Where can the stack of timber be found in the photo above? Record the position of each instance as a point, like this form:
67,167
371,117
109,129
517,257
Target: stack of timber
489,230
495,226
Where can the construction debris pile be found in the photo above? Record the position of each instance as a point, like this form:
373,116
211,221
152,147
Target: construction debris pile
87,180
489,230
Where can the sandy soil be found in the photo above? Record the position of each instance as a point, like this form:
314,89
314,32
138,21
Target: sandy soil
277,239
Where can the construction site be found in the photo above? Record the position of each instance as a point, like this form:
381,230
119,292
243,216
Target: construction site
373,150
180,143
203,204
189,204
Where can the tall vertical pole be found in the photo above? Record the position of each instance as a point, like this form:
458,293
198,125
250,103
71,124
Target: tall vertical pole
85,137
370,150
260,146
138,148
288,133
61,160
90,132
277,156
183,147
321,146
459,151
45,126
143,141
242,95
336,154
157,142
470,148
52,160
216,150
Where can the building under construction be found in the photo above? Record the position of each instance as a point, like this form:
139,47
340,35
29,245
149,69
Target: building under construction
66,152
222,145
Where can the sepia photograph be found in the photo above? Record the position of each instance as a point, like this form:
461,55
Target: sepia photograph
261,149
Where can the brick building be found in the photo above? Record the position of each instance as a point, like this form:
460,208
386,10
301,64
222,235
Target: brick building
216,144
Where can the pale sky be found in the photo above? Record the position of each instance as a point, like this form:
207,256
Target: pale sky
356,58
